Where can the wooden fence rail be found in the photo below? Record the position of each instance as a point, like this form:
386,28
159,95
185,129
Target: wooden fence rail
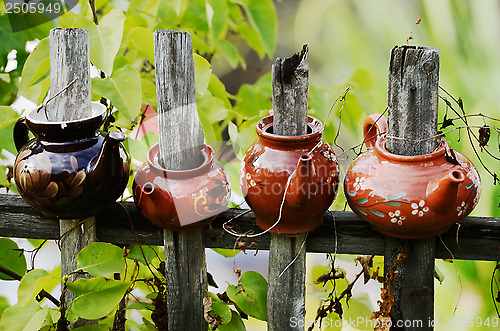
475,238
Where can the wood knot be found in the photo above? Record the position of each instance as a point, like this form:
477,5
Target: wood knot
428,66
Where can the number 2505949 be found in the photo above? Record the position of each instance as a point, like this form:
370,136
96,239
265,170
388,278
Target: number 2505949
21,7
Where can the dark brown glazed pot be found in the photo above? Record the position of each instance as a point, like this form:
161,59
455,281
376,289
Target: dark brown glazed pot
409,196
181,200
298,175
69,170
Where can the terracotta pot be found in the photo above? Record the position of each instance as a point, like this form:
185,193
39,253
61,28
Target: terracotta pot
181,200
68,170
409,196
299,173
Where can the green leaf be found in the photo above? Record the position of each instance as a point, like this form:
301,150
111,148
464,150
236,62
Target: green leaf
6,139
16,317
218,90
133,20
236,323
4,304
397,196
105,40
251,36
361,201
208,127
255,99
262,16
195,18
96,297
141,39
38,320
394,204
37,92
250,294
5,78
101,259
202,73
123,88
221,311
438,275
226,252
247,133
351,193
72,20
36,66
148,92
361,211
376,212
135,252
7,116
359,308
217,14
35,281
11,259
141,306
229,52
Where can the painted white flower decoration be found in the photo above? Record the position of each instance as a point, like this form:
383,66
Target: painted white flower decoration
359,183
476,199
396,217
419,208
461,209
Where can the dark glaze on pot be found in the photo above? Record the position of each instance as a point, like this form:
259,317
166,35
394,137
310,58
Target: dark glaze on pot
409,196
305,165
181,200
69,170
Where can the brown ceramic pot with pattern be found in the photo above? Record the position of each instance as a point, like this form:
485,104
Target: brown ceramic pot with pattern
69,170
181,200
289,181
409,196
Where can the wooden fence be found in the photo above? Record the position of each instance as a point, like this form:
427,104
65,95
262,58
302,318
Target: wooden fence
343,232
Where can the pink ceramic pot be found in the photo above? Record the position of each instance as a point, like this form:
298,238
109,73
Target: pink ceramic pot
181,200
409,196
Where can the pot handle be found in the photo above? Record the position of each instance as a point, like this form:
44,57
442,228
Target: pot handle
373,126
20,133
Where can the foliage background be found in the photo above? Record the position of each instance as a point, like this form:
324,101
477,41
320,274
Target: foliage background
349,44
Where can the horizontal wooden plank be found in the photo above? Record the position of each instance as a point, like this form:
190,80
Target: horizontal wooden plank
478,237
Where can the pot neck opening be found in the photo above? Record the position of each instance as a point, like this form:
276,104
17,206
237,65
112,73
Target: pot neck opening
380,149
87,127
265,131
207,155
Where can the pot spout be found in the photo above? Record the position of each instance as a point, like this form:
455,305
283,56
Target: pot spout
442,193
301,189
107,165
154,203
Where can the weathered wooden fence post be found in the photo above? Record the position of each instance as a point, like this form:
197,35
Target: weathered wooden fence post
286,291
412,115
181,140
69,59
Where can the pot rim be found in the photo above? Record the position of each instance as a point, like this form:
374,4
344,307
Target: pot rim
267,122
98,111
381,150
152,159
